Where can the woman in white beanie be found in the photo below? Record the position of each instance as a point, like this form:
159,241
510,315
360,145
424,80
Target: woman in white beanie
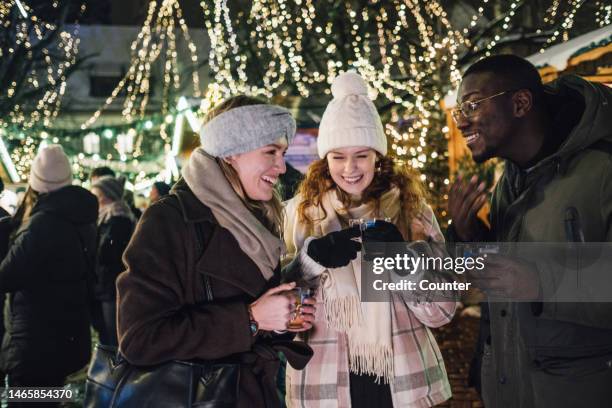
203,267
47,272
365,354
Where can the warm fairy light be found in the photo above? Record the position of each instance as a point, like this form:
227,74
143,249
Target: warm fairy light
157,40
48,79
603,15
296,45
407,50
566,25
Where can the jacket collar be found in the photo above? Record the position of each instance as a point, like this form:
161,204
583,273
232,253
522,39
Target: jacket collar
193,209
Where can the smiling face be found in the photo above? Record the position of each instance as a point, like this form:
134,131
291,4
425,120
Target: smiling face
259,169
489,130
352,168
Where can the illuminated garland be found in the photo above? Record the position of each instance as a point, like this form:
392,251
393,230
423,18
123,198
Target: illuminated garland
29,33
156,41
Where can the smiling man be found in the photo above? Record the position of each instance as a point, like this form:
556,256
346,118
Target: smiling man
557,144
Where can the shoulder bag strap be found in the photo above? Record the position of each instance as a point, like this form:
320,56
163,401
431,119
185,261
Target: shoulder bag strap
200,250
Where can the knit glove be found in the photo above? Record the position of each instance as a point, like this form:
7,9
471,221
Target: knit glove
335,249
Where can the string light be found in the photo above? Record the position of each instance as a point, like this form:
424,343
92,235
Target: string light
603,15
155,41
47,78
297,45
566,25
50,78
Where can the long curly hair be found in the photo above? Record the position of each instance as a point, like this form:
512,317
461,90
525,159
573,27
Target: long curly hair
270,212
387,175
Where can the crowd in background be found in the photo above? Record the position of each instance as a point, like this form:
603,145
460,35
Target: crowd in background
61,252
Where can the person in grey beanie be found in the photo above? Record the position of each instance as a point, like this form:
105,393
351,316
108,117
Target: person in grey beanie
115,226
203,267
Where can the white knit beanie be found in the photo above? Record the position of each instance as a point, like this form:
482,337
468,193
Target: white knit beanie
50,170
350,119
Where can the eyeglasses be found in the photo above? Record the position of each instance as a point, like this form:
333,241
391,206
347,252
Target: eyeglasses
467,109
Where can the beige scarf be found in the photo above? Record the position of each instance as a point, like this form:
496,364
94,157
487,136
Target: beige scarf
205,178
368,325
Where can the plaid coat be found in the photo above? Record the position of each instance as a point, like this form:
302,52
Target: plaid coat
420,378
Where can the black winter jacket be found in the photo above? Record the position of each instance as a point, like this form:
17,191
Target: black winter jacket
46,274
113,237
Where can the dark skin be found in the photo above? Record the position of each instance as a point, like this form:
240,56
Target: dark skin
508,126
511,127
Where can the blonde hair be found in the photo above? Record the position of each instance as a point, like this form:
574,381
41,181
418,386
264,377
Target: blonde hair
270,213
24,211
387,176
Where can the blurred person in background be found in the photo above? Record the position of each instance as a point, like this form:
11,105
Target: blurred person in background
115,226
3,212
100,172
158,190
46,274
128,197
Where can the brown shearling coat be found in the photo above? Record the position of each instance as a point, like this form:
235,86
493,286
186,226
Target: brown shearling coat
162,314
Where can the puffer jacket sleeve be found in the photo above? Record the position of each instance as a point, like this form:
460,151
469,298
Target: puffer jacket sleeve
30,249
592,314
157,321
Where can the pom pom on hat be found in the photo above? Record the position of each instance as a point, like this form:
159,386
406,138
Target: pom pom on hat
350,119
349,83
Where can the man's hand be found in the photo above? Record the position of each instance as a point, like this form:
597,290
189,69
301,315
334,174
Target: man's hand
507,279
335,249
464,202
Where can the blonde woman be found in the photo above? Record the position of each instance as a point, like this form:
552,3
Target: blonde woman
365,354
215,295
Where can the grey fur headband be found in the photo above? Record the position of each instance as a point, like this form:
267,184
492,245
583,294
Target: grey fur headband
246,128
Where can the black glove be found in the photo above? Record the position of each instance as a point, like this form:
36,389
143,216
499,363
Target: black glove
382,231
335,249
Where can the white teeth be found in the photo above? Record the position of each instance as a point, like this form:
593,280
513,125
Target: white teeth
352,180
472,138
270,180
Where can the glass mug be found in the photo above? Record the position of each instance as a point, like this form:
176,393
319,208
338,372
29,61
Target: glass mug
301,293
364,224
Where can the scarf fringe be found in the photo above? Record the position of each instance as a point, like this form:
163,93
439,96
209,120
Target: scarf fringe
342,313
372,359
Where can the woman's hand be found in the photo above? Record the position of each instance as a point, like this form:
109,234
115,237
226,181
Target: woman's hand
275,308
335,249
